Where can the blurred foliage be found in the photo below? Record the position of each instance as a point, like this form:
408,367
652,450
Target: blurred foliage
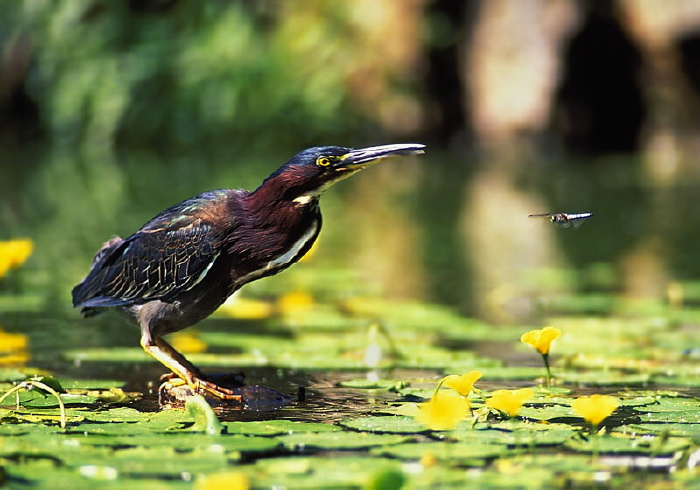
112,110
160,73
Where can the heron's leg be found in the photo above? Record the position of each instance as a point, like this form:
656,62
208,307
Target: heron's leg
163,352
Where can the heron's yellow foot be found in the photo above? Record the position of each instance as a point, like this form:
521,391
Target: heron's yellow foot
204,387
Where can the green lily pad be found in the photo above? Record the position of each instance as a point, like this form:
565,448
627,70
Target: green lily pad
114,354
517,438
678,417
547,412
277,427
365,384
512,373
320,472
449,452
688,381
91,384
691,431
605,378
385,424
613,443
205,420
183,442
118,414
339,440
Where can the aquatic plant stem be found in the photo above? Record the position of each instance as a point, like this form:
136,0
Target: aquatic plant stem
27,385
545,358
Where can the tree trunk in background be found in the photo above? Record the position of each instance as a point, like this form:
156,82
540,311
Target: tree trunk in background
510,71
671,133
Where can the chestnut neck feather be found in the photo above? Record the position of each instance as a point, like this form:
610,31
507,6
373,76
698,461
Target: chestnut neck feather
270,231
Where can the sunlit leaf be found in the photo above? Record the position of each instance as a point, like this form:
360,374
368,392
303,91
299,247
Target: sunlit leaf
444,452
385,424
276,427
339,440
627,444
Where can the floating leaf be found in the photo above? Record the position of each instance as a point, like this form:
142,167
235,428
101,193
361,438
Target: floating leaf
448,452
205,420
339,440
627,445
276,427
385,424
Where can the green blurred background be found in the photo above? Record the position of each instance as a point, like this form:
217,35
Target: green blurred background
113,110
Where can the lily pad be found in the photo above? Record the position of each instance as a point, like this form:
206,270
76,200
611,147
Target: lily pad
668,428
277,427
385,424
339,440
320,472
627,445
669,416
365,384
518,438
548,412
605,378
462,453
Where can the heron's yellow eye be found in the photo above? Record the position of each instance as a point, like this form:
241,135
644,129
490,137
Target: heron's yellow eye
323,161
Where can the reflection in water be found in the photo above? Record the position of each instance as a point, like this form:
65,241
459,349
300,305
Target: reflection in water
502,247
436,230
325,401
433,229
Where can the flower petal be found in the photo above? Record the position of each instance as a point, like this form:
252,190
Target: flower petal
509,401
541,339
595,408
462,384
443,411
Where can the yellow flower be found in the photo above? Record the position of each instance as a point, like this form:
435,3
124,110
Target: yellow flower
4,264
312,251
462,384
443,411
594,408
509,401
295,303
541,339
13,349
187,343
12,342
246,309
428,460
14,253
232,480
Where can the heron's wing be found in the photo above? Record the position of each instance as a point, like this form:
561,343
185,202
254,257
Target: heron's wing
170,254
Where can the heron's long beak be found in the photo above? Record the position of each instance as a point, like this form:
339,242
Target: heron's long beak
362,157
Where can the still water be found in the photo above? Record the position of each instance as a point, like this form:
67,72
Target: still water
440,229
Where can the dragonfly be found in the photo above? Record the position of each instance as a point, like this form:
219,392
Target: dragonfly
564,220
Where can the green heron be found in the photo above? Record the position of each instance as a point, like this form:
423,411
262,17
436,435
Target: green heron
183,264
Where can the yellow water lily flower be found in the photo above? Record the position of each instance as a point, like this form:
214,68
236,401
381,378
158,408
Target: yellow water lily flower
14,359
13,253
595,408
11,342
509,401
443,411
246,309
295,303
462,384
428,460
232,480
13,349
187,343
541,339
